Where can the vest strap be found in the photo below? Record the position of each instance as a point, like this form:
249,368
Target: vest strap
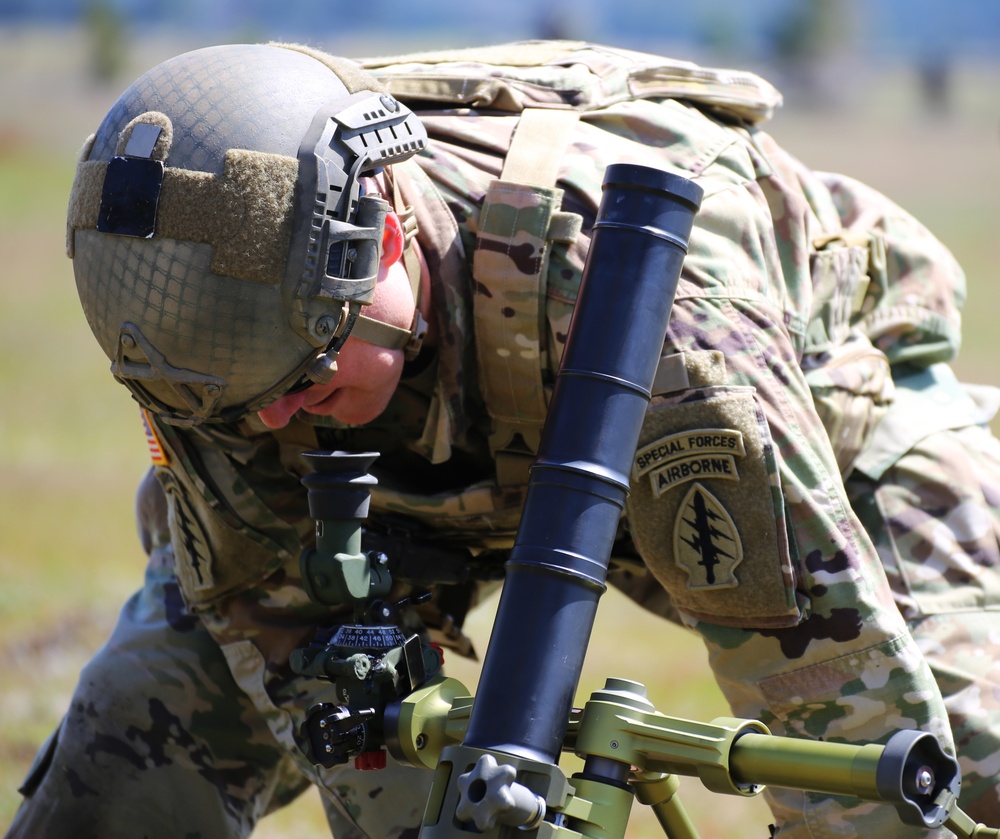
538,146
519,219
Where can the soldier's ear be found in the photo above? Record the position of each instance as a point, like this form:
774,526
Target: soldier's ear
392,240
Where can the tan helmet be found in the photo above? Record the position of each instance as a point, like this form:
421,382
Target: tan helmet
221,241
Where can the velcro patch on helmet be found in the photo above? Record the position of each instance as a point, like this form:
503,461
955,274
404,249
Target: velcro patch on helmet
706,511
246,214
148,135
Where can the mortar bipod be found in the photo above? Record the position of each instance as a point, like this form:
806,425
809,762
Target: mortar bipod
632,751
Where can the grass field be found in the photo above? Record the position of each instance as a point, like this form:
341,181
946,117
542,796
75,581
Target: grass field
71,449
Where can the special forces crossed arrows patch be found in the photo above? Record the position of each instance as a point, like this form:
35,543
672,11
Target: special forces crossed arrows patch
707,543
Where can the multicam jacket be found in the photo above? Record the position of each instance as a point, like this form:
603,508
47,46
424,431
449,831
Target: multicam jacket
799,291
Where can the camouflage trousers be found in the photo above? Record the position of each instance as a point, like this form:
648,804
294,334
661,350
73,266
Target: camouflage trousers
182,726
935,520
176,733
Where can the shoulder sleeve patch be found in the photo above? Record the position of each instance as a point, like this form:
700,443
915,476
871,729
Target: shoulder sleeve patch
706,510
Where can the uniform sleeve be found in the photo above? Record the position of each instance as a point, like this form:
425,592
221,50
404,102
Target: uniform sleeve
739,509
912,307
236,514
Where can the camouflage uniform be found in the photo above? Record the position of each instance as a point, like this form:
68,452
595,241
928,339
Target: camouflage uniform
804,402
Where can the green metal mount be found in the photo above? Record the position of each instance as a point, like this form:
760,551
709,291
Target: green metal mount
631,751
337,571
369,660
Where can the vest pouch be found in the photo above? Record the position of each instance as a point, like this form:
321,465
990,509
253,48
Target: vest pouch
517,226
849,378
841,266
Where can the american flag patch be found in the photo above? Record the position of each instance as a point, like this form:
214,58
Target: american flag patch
156,453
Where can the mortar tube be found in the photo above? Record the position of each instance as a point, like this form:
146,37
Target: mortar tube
578,484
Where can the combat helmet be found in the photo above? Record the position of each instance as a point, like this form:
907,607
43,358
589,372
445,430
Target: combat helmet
221,241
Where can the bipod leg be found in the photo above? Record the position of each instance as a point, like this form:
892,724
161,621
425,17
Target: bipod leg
659,792
965,827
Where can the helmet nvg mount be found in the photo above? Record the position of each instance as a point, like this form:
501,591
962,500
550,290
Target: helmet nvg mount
222,243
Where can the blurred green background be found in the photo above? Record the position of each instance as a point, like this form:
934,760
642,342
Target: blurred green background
71,445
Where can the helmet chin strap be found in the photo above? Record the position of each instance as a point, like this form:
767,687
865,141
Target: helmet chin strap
384,334
392,337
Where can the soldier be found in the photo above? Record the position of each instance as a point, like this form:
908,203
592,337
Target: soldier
238,264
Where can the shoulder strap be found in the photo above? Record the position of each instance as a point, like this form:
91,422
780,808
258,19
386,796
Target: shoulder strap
519,218
538,146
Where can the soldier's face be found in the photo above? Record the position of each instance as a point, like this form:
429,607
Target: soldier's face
366,375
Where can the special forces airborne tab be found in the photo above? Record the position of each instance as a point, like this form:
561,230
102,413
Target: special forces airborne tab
688,455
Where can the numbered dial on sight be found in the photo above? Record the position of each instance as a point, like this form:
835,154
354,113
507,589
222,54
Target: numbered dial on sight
371,639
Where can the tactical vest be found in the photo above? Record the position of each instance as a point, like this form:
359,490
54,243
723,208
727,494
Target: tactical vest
552,85
549,86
